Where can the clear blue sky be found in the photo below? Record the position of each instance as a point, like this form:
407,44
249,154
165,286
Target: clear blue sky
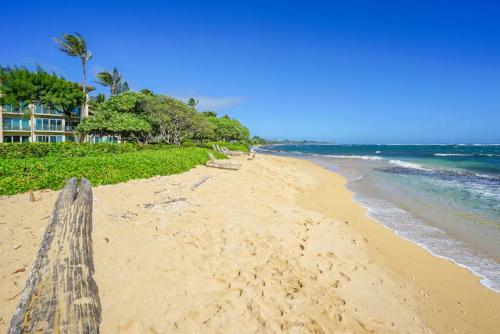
346,71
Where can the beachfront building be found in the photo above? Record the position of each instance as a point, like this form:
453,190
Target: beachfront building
36,123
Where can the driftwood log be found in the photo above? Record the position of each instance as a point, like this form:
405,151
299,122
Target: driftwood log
200,182
61,295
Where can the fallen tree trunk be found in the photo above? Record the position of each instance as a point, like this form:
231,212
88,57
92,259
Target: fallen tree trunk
61,295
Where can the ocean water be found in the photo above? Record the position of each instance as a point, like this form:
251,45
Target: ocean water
446,198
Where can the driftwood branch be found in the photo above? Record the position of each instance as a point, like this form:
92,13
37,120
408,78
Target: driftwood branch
200,182
61,295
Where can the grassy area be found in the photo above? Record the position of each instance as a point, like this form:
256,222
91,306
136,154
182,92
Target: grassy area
49,166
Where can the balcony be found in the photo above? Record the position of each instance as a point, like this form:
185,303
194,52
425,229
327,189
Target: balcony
46,127
9,127
41,110
10,109
69,128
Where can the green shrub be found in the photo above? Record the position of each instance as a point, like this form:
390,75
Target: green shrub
48,166
40,150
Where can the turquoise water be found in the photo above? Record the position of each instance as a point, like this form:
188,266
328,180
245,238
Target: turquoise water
446,198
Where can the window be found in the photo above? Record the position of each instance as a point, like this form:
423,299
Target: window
16,139
47,124
16,124
76,112
49,139
25,124
42,139
7,124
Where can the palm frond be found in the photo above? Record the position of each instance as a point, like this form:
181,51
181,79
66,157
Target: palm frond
105,78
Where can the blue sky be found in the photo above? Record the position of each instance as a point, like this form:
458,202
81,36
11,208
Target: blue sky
345,71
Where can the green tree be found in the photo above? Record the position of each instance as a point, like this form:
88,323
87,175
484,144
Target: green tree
125,87
76,46
173,120
100,98
227,129
193,103
21,87
125,102
146,91
209,113
113,80
95,101
127,126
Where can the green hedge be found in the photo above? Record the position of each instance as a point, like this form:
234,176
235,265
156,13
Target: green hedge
100,163
41,150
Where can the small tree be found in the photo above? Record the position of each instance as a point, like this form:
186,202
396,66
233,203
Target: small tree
113,80
173,120
193,103
124,87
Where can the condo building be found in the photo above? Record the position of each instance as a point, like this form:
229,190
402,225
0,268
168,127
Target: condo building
36,123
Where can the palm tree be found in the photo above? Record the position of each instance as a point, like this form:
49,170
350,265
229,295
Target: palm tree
192,103
75,46
113,80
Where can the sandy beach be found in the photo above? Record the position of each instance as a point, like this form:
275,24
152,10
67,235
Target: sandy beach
277,246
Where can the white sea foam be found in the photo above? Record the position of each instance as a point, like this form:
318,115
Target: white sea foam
453,155
433,239
465,154
363,157
406,164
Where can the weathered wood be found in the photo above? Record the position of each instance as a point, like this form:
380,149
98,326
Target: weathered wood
200,182
61,295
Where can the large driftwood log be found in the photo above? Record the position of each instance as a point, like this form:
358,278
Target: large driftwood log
61,295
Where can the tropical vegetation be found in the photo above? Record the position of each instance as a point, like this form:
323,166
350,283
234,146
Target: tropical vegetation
25,167
19,87
158,134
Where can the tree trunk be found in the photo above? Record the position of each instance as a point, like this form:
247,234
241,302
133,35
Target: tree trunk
61,295
84,87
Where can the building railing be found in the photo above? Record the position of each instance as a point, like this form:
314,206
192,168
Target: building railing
46,127
10,109
15,128
39,110
69,128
